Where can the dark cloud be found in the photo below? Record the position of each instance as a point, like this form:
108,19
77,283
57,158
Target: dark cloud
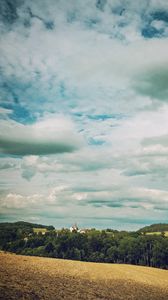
100,203
153,83
48,136
104,117
8,10
33,148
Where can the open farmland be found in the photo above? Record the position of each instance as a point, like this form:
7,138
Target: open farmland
39,230
23,277
157,233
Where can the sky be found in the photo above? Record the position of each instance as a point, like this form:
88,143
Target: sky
84,112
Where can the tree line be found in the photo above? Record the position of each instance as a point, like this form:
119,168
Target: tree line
109,246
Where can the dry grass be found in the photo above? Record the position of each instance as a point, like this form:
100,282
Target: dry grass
157,233
40,230
23,277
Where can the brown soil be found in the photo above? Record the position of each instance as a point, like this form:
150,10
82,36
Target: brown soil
23,277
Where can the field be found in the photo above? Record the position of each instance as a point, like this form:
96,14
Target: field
157,233
23,277
40,230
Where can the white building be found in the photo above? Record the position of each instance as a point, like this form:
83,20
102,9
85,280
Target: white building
74,228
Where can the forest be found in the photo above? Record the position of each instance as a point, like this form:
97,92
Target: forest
108,246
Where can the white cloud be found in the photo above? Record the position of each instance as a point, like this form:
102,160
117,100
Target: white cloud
91,61
54,193
86,60
17,201
5,111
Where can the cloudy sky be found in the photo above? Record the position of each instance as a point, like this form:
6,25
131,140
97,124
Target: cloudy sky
84,112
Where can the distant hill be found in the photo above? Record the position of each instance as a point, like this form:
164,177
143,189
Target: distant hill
27,225
14,231
22,225
155,228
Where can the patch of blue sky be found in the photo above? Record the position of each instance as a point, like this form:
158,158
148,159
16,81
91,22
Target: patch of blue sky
49,25
103,117
19,113
22,115
35,96
96,142
13,88
160,16
150,31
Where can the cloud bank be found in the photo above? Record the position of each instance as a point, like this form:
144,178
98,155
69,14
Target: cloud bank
83,112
